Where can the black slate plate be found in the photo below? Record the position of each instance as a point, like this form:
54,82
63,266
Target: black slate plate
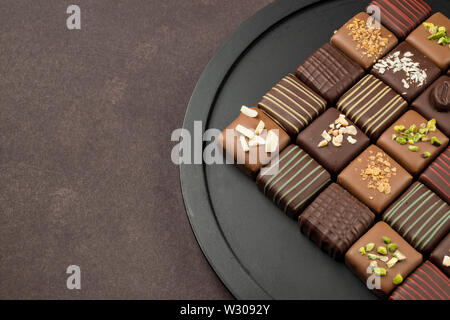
254,248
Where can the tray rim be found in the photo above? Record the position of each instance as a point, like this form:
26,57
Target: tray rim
212,242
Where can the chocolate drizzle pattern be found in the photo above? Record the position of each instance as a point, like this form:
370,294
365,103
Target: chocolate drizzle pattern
402,16
298,178
292,104
335,220
329,72
420,217
437,176
426,283
372,106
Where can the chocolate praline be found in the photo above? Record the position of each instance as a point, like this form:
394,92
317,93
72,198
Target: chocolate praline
402,16
329,72
352,179
420,217
292,105
372,106
406,70
293,180
426,283
437,53
343,40
440,253
437,176
359,263
250,162
414,162
335,220
434,102
333,158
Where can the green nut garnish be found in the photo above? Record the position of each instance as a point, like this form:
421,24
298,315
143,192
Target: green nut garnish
423,130
397,279
382,250
435,141
425,139
413,128
392,247
386,240
362,250
394,136
413,148
437,35
431,125
426,155
442,29
379,271
372,256
370,246
399,128
411,141
417,137
401,140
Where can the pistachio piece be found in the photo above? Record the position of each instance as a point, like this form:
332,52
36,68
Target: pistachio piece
399,128
431,125
392,262
379,271
394,136
401,140
397,279
386,240
370,246
392,247
362,250
382,250
417,137
413,148
413,129
372,256
435,141
384,258
426,155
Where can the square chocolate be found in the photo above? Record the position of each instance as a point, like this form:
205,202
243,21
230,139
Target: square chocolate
252,160
439,54
372,106
402,16
441,255
406,70
293,180
370,257
335,220
437,176
409,150
434,102
329,72
352,39
375,179
340,145
292,105
426,283
420,217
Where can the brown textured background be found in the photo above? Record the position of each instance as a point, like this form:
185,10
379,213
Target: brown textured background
85,124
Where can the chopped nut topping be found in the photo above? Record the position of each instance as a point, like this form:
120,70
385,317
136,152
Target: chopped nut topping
378,173
368,39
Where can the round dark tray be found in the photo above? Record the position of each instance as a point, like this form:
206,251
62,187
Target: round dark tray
255,249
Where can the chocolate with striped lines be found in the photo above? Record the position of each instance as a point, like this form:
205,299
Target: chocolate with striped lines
292,181
440,253
329,72
372,106
292,105
402,16
437,176
426,283
420,217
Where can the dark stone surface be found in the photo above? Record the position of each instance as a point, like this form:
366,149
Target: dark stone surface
85,124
